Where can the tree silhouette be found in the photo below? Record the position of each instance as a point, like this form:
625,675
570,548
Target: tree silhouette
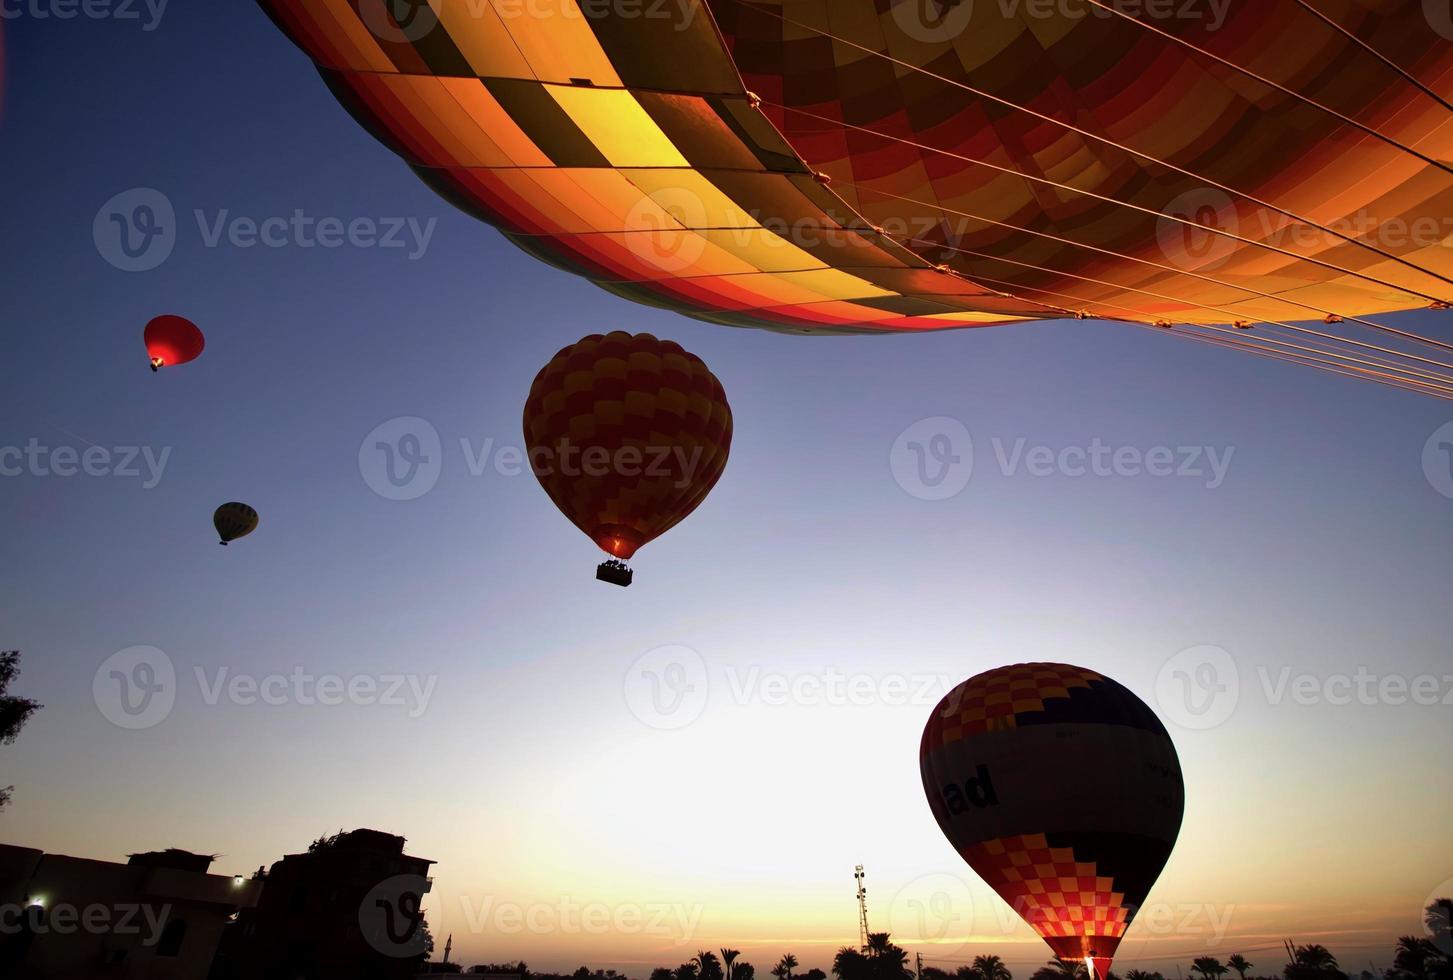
889,961
1208,967
1143,975
1058,969
1437,917
848,964
788,963
729,956
686,971
1312,962
14,711
708,967
746,971
1414,956
991,968
1240,964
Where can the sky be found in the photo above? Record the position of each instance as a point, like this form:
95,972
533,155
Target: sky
816,606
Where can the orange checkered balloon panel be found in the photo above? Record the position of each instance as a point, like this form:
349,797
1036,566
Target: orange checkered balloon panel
627,434
1063,791
903,165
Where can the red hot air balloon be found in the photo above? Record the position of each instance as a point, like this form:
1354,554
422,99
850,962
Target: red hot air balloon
627,434
173,340
1063,791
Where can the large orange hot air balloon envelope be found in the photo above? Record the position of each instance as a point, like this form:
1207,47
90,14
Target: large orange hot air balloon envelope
627,434
910,165
172,340
1063,791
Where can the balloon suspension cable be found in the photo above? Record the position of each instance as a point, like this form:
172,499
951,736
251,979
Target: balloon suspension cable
1411,79
1212,230
1102,140
1397,365
1401,375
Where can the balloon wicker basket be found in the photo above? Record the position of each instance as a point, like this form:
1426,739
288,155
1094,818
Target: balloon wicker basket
614,572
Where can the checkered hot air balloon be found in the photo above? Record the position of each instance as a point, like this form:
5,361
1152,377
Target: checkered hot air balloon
627,434
1063,791
910,165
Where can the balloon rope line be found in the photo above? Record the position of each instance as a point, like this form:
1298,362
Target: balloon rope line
1323,365
1155,265
1378,362
1088,135
1413,386
1164,268
1235,341
1375,53
1368,366
1292,92
1150,27
1144,210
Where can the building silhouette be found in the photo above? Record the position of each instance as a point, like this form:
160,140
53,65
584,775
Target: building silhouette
160,915
347,908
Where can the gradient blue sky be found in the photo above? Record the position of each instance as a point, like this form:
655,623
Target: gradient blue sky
527,777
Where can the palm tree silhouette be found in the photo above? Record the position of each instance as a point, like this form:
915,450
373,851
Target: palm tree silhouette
1438,917
1239,963
1208,967
1316,956
729,956
1311,962
1413,955
707,965
848,964
1058,969
991,968
786,964
1143,975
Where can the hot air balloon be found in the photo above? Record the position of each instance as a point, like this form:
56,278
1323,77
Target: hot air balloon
1063,791
627,434
910,165
234,520
173,340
